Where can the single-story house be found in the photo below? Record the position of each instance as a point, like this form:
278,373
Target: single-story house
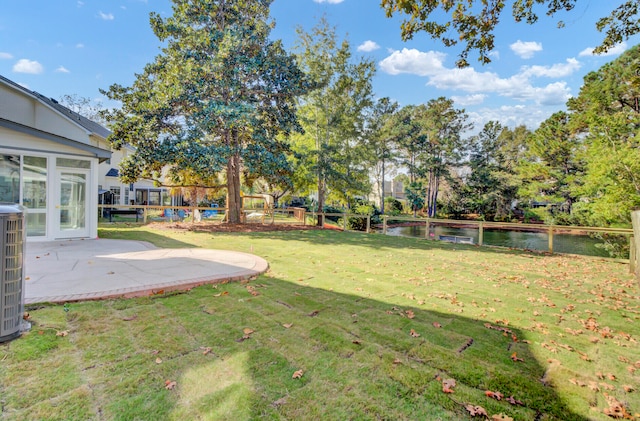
49,162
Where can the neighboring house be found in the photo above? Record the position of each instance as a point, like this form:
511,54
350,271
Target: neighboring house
393,189
113,191
49,162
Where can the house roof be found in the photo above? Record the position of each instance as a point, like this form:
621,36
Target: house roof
89,125
101,154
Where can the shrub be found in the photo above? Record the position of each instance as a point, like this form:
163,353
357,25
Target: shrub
392,206
332,209
363,208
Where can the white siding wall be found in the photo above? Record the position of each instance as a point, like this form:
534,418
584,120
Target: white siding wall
19,108
16,107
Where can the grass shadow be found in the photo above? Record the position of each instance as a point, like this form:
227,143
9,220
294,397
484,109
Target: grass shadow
232,355
132,232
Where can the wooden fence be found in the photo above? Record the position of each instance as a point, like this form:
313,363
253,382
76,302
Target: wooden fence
301,217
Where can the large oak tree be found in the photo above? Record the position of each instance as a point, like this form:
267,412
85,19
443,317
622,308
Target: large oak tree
219,97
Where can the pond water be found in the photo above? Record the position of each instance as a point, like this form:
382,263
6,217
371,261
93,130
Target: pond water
562,243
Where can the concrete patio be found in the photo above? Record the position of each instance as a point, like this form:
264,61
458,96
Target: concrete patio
77,270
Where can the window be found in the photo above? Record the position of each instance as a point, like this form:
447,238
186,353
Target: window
10,178
34,194
115,191
154,197
73,163
34,173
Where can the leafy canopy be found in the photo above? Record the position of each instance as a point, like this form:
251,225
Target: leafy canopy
472,22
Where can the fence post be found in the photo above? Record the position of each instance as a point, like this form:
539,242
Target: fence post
480,233
635,220
632,255
551,239
344,221
368,223
384,224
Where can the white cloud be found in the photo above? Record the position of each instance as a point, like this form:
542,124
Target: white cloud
368,46
526,49
509,116
5,56
616,50
467,100
477,84
414,62
106,16
329,1
79,45
62,69
28,66
555,71
80,3
469,80
517,87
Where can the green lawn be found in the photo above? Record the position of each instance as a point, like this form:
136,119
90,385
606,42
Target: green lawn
374,327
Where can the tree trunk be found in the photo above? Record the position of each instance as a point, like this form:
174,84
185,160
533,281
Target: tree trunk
234,200
320,200
429,195
382,190
434,200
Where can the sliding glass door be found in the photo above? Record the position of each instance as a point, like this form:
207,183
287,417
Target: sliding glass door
71,211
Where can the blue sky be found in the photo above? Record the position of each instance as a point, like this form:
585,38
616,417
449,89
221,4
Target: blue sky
78,47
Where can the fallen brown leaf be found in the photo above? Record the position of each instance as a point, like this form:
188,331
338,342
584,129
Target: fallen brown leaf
476,411
616,408
297,374
448,385
514,401
280,402
495,395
